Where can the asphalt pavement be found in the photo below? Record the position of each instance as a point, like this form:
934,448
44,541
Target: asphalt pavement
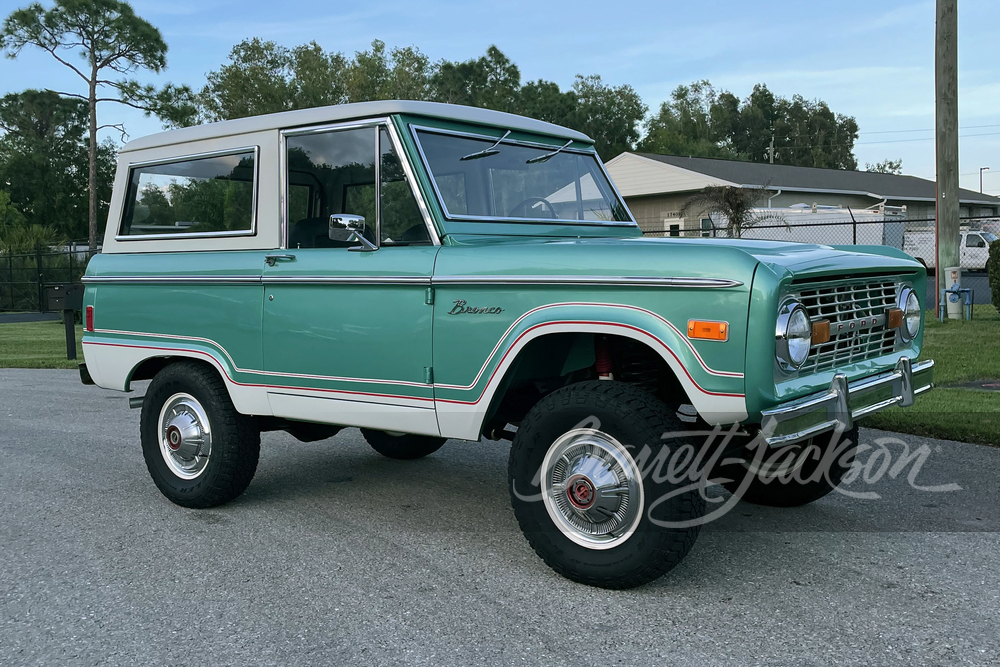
336,555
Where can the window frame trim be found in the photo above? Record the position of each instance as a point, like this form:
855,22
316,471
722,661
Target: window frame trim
397,146
255,149
414,128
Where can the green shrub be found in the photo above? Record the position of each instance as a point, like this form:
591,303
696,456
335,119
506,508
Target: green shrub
993,266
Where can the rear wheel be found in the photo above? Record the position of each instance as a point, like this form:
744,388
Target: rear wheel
581,497
198,449
796,474
404,446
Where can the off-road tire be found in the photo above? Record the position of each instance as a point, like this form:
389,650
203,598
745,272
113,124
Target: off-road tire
235,438
803,486
634,418
404,447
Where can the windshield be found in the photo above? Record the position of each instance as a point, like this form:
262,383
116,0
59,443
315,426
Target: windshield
990,237
483,179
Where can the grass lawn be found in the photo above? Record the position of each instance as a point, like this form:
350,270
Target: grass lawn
37,345
962,351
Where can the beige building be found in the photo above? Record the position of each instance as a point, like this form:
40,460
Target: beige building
655,187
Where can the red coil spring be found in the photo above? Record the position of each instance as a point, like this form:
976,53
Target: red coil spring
602,354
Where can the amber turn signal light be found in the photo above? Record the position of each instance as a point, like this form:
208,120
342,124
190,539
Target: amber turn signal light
821,332
895,318
708,330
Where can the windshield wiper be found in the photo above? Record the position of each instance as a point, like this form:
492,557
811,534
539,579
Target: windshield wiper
548,156
492,150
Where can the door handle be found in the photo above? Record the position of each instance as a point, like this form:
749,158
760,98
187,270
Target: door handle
274,259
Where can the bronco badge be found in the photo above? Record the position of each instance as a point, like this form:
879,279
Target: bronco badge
461,309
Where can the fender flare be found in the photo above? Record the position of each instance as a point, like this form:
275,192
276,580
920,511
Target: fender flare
718,395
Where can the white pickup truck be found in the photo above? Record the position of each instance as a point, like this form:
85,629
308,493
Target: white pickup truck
974,248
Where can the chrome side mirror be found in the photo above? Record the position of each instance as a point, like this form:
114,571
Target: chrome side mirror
343,225
348,227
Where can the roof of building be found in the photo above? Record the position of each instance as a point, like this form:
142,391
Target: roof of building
813,179
358,110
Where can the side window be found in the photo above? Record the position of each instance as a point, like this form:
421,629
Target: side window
328,173
974,241
335,172
213,194
402,222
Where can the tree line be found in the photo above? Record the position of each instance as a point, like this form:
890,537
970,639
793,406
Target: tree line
264,77
55,178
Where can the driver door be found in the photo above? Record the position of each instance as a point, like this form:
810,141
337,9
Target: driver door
346,330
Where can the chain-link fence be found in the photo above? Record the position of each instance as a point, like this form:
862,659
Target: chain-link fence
23,276
914,237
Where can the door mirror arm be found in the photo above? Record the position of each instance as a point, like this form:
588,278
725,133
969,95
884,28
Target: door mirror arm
366,245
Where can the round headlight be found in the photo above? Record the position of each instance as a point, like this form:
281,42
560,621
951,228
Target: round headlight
793,336
910,305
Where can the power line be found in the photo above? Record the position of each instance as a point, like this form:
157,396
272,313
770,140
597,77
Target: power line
892,141
929,129
900,141
888,141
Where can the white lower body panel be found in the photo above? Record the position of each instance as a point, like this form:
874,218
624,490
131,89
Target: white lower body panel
111,367
381,416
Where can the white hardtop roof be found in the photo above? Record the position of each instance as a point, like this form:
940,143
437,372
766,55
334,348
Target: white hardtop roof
346,112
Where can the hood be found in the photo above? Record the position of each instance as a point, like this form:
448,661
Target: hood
734,259
812,259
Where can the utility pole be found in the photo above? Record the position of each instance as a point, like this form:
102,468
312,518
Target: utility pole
946,139
770,151
981,170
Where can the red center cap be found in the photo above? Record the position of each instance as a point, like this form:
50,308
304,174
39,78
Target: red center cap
580,492
174,438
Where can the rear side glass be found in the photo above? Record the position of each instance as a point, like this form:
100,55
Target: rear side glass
203,195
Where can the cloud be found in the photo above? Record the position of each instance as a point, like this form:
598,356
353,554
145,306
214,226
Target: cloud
916,14
311,26
979,100
175,7
853,77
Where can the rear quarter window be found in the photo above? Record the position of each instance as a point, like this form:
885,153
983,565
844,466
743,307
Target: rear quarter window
212,194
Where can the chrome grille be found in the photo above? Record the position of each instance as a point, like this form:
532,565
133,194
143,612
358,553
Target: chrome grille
842,303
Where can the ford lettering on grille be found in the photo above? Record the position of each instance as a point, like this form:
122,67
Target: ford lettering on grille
860,323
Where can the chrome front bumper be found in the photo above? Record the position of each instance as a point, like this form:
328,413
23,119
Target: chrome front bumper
844,401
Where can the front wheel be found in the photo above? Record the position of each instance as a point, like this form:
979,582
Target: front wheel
199,450
579,492
795,474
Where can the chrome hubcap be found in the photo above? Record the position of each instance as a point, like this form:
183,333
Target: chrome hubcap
592,489
185,436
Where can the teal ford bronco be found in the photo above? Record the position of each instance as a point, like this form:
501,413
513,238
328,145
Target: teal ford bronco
429,271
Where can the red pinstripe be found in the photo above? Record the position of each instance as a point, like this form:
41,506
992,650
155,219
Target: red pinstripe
416,398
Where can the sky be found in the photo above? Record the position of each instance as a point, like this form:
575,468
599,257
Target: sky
873,59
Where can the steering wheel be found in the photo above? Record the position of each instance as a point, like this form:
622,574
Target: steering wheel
532,200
